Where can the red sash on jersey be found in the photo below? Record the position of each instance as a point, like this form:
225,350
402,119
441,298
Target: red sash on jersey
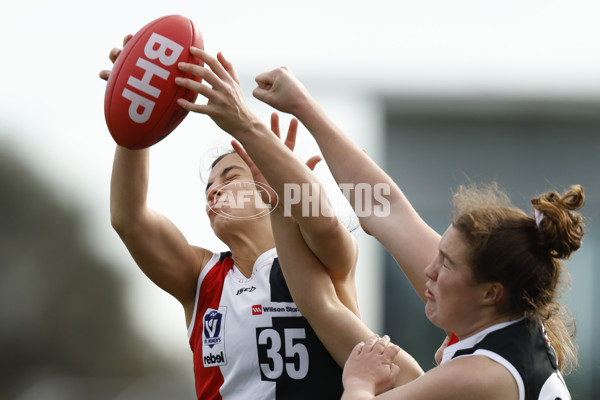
208,380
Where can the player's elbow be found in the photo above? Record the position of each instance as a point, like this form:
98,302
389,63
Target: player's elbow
118,223
123,221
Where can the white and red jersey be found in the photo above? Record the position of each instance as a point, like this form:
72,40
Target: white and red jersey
250,341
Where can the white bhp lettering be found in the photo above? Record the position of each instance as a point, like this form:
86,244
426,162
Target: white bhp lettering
166,52
164,46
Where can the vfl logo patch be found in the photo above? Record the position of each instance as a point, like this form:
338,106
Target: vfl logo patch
213,337
212,327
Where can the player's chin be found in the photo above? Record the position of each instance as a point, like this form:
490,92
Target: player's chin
217,217
220,218
218,224
431,311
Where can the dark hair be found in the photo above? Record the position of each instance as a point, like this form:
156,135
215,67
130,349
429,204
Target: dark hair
523,254
222,156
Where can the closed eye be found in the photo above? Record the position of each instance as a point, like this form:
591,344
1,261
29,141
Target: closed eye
225,174
230,178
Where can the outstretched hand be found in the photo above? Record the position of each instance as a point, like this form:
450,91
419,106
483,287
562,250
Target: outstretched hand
290,143
225,101
370,367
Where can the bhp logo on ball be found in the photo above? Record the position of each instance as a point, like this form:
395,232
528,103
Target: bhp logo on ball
159,51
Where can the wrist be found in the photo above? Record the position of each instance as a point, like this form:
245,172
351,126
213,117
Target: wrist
357,385
252,128
305,107
357,393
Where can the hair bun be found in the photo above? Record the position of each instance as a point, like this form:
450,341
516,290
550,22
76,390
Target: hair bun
562,227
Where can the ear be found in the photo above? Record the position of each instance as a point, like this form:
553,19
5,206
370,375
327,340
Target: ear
493,294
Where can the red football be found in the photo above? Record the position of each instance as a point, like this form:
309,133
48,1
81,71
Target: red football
140,103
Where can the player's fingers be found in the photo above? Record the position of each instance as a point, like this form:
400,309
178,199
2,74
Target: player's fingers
104,74
228,66
203,73
359,348
211,61
385,340
371,342
394,371
197,108
196,86
242,153
390,352
313,161
380,346
264,83
126,39
275,124
290,139
264,80
114,53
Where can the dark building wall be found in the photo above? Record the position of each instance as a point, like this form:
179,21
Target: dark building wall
528,147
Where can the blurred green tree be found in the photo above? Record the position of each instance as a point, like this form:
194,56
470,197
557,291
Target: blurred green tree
61,307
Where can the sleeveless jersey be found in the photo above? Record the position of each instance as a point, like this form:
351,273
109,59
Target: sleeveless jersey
250,341
523,348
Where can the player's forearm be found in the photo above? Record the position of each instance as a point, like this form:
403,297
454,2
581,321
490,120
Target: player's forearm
313,291
349,164
300,192
128,185
390,218
409,368
357,394
337,327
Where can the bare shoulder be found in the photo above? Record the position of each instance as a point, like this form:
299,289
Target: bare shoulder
202,257
473,377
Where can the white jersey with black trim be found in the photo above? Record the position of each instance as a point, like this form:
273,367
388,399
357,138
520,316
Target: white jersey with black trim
523,348
250,341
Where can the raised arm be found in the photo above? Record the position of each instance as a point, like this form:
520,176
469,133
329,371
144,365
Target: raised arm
311,285
306,243
158,247
314,293
283,171
398,227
